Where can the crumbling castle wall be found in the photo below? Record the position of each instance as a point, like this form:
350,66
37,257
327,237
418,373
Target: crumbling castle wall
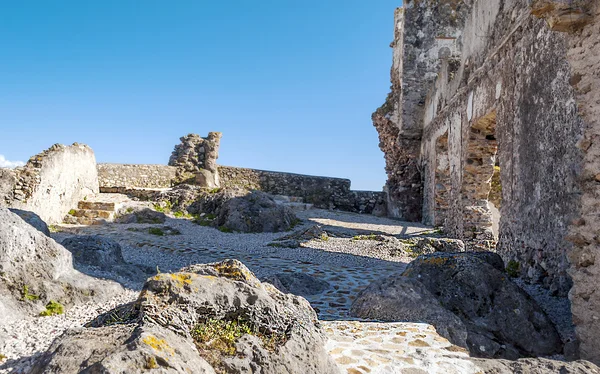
52,182
519,92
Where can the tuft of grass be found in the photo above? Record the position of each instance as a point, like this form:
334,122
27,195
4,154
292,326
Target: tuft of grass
295,222
214,190
156,231
217,338
365,237
27,295
53,228
221,335
324,237
163,209
179,214
53,308
225,229
72,212
513,268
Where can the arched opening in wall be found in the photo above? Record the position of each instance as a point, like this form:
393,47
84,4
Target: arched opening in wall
480,184
442,181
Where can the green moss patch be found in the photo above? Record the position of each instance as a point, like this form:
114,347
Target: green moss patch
53,308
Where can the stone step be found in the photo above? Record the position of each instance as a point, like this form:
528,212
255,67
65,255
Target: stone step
95,205
91,213
90,221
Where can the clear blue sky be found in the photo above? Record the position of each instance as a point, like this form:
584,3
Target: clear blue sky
291,84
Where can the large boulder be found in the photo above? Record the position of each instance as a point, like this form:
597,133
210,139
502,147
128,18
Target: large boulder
142,215
535,366
33,219
104,254
34,270
255,212
501,320
204,319
402,299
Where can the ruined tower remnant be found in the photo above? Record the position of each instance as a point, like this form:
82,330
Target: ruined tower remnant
196,158
488,88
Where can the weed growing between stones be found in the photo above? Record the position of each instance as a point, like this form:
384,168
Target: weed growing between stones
163,207
225,229
366,237
27,295
217,338
53,308
512,268
156,231
72,212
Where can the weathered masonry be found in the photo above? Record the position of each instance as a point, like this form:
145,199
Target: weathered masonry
496,104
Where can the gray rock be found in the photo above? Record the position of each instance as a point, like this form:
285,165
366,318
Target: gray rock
416,246
34,269
207,179
157,330
398,298
94,250
298,283
145,215
501,319
121,349
104,254
255,212
535,366
32,219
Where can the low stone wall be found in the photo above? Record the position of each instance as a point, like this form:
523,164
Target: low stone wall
115,176
52,182
323,192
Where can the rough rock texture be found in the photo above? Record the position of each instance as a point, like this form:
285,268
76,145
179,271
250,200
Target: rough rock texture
535,366
111,176
501,320
33,219
300,284
195,154
143,215
255,212
35,269
104,254
156,331
585,255
403,299
52,182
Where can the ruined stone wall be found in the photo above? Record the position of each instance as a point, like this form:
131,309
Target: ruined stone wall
323,192
196,159
424,37
52,182
525,95
113,176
